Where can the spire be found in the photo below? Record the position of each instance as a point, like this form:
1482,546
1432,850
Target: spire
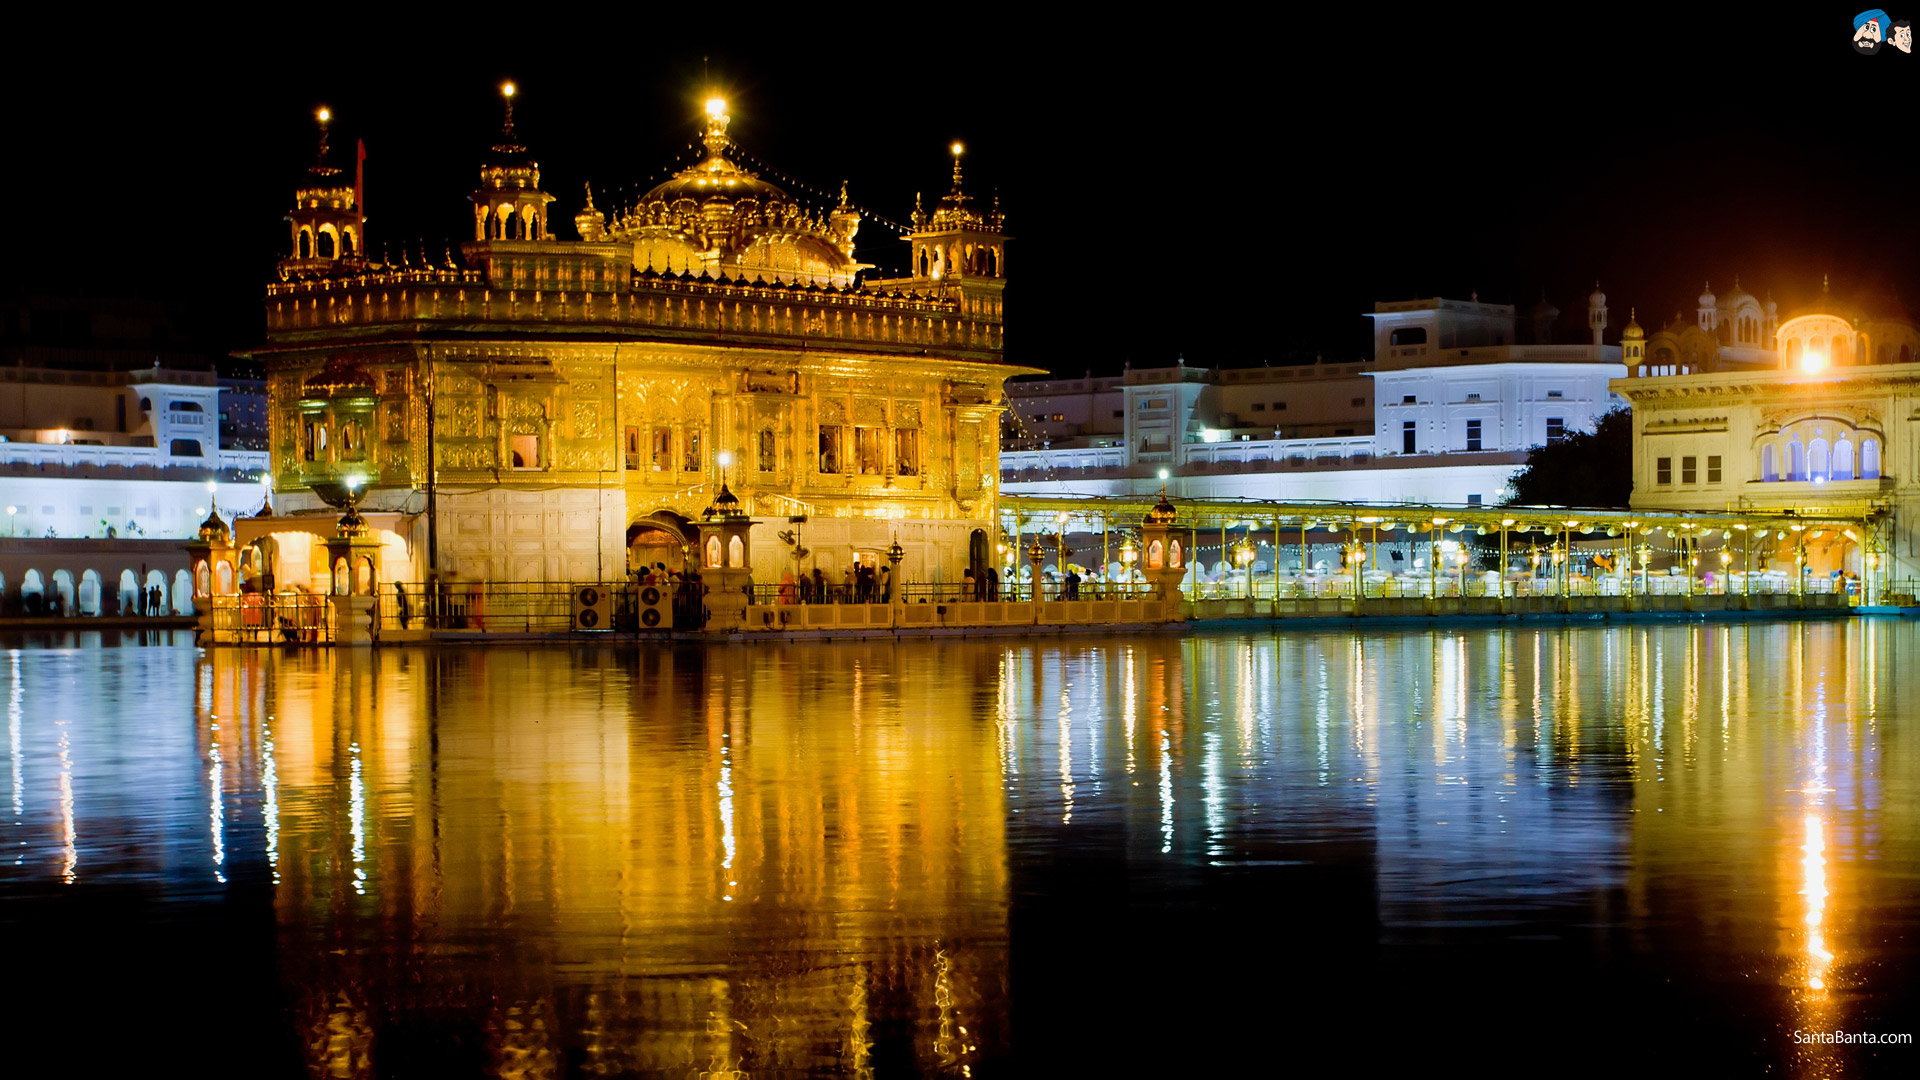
958,149
325,116
506,130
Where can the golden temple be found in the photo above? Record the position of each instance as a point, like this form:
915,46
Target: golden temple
533,408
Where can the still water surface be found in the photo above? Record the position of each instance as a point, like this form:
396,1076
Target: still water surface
1544,848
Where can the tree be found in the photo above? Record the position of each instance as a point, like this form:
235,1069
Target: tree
1584,469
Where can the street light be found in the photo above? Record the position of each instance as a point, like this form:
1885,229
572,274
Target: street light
1243,558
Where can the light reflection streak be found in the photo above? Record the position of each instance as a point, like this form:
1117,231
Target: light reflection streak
1322,716
1215,799
270,788
727,839
1814,888
1064,733
356,819
1166,794
68,836
13,750
1129,708
217,811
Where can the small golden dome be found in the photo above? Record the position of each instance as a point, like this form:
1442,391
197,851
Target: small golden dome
214,530
1633,331
725,507
1163,512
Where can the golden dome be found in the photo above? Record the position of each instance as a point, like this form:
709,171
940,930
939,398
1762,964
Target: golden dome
1633,331
724,506
718,177
1163,512
214,530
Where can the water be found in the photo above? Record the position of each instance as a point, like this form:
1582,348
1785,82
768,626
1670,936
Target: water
1541,848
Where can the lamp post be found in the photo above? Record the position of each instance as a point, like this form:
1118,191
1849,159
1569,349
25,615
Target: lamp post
1726,559
1646,559
1243,558
11,510
1128,553
1559,567
1060,564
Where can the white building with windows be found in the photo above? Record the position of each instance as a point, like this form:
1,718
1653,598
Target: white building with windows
137,452
1456,394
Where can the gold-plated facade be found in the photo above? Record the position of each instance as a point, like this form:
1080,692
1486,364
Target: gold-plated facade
574,395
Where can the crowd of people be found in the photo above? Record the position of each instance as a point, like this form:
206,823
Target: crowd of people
861,584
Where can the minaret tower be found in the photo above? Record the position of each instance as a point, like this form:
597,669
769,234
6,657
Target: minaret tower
1709,310
956,242
1633,345
1597,316
510,204
325,226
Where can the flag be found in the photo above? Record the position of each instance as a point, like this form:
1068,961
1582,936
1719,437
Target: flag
360,179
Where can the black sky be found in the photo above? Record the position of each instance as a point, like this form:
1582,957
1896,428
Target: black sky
1234,191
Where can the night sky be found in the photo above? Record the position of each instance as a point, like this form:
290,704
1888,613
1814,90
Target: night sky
1237,192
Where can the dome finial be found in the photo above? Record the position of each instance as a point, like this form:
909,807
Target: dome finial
1823,283
958,149
325,118
506,129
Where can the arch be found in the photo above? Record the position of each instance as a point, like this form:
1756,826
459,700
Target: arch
61,600
1817,459
978,555
1793,352
736,552
341,577
87,597
202,578
33,593
182,593
1841,467
1869,459
223,574
1818,347
363,577
924,272
127,597
713,551
1769,466
1796,460
1156,556
323,245
4,609
348,241
1173,554
303,245
154,591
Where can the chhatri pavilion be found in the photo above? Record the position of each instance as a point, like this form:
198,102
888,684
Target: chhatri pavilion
544,409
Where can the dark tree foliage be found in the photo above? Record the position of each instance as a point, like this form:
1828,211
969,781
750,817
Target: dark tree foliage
1584,469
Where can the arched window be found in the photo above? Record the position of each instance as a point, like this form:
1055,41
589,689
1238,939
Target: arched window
1842,468
1842,349
1173,554
1817,459
223,573
1818,347
1156,556
1796,460
341,580
304,249
1869,459
713,551
202,580
1769,466
325,244
346,242
89,598
33,593
363,577
736,552
1793,352
128,598
182,593
924,271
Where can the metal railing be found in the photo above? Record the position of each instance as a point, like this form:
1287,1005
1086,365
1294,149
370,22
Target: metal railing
273,618
1479,585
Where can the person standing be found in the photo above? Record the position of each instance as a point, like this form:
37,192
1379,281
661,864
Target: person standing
993,585
886,585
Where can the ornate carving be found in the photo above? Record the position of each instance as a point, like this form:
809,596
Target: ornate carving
576,458
869,413
396,421
586,419
832,412
466,456
906,414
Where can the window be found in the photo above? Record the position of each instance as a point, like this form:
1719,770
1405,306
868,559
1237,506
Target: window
662,449
1473,397
1154,403
526,451
1119,414
1663,470
1689,469
1554,394
866,444
690,459
1057,417
1358,402
1473,436
1407,437
1473,500
1713,468
186,448
184,406
633,447
906,451
1556,429
1259,406
769,450
1410,335
1279,406
829,448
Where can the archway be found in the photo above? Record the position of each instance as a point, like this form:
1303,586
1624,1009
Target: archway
978,555
183,592
61,601
656,541
127,597
88,594
33,593
155,593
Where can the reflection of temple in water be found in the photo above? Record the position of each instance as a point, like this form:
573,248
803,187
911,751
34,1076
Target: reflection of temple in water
662,867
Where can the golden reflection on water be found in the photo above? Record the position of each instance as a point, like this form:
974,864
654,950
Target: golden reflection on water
731,861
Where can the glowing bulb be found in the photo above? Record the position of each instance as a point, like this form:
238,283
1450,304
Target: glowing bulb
1812,362
958,149
211,487
1163,474
354,482
326,114
724,457
716,106
507,90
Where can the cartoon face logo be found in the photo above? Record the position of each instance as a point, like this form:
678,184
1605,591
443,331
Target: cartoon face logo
1868,28
1902,36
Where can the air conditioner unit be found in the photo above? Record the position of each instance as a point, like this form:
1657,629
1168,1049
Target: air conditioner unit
656,608
592,607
